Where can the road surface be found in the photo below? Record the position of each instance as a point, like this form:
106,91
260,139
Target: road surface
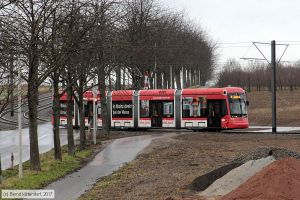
9,143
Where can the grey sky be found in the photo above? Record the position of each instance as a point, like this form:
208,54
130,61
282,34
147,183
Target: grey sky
232,21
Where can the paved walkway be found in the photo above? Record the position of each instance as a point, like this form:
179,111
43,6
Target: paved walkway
107,161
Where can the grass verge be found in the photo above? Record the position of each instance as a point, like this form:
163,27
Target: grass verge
51,170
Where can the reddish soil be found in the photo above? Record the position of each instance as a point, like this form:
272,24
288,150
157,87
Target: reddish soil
280,180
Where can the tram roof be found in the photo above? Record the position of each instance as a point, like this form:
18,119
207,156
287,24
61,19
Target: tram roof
216,91
122,93
88,95
162,92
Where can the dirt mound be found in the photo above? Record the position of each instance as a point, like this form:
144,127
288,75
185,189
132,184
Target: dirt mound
236,177
279,180
202,182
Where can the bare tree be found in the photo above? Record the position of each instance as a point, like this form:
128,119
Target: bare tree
30,29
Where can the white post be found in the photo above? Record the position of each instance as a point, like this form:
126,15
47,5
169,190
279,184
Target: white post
171,77
155,70
162,81
199,78
190,77
19,110
181,78
95,114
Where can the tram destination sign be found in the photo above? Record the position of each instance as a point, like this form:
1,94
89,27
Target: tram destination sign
121,109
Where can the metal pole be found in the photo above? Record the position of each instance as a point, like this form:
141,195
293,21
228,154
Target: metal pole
162,81
199,77
171,77
155,69
95,114
19,107
273,64
20,121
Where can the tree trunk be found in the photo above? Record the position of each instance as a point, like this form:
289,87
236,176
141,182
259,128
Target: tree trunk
33,132
249,84
32,95
70,104
188,79
177,78
56,114
166,78
135,81
162,80
151,82
81,120
124,79
109,82
11,84
103,102
195,77
159,81
118,78
183,78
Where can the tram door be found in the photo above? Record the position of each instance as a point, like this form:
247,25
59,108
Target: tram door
156,113
214,114
88,112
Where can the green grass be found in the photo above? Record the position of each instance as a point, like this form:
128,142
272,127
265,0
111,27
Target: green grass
51,171
10,173
83,154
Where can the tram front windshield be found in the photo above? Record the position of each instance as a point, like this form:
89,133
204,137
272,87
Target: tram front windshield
237,105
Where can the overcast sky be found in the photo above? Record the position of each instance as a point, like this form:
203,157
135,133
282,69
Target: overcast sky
242,21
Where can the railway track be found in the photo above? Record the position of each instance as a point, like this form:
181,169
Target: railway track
25,114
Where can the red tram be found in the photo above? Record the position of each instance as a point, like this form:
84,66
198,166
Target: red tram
87,107
201,108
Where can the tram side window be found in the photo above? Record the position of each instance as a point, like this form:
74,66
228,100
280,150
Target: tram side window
86,108
194,107
144,108
168,109
122,109
217,108
224,108
98,109
63,109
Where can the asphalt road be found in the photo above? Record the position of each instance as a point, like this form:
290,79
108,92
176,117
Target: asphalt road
8,122
9,143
